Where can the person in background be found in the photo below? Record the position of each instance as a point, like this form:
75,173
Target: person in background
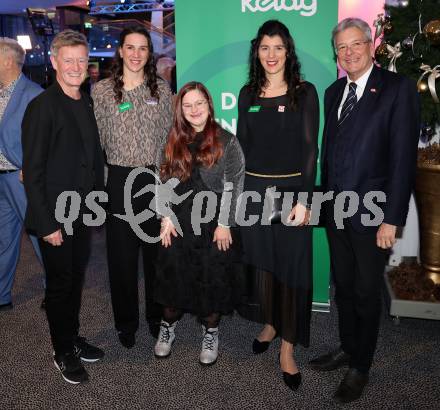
199,272
278,127
166,68
16,91
133,109
372,125
61,152
93,77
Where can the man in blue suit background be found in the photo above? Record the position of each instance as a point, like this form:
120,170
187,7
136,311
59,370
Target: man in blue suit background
16,91
371,131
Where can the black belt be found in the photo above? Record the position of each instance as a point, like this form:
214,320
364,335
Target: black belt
7,171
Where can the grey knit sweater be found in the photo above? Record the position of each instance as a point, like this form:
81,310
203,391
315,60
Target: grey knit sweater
226,176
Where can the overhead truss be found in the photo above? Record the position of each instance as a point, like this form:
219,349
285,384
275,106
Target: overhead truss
130,8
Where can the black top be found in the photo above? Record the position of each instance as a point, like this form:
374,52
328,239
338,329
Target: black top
277,140
194,145
81,111
61,152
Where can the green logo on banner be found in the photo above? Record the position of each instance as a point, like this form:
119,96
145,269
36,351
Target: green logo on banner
254,108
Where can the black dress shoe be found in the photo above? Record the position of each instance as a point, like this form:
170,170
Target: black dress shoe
293,381
260,347
330,361
351,387
6,306
127,339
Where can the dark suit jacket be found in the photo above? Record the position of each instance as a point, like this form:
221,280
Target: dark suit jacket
383,152
55,157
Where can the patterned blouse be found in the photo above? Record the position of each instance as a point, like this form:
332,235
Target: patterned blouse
133,132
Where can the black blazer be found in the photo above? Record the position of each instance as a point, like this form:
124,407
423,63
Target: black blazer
383,154
55,157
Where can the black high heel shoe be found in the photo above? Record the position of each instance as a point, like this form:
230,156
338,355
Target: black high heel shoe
292,381
260,347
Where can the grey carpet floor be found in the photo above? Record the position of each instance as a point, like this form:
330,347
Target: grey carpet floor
406,372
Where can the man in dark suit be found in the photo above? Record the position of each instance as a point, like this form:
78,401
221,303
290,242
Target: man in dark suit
15,93
372,122
61,152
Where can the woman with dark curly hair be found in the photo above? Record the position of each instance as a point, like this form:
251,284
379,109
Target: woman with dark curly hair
199,272
278,130
133,110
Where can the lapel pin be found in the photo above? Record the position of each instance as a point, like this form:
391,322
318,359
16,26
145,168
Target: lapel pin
373,90
281,108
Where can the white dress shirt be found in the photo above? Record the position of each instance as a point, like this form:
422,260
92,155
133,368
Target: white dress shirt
361,83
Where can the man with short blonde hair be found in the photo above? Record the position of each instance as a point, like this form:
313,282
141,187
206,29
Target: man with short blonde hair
61,152
68,38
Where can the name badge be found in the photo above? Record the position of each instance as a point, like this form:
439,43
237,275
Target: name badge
281,108
151,101
125,106
254,108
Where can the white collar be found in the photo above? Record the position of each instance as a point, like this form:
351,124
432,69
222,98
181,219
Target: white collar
362,80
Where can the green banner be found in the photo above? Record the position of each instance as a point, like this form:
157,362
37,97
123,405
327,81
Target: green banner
212,46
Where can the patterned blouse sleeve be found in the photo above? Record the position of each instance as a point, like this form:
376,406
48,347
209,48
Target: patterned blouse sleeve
99,108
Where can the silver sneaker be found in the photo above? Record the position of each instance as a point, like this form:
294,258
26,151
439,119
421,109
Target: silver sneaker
209,352
165,339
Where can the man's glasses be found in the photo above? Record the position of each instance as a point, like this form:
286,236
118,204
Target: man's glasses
355,46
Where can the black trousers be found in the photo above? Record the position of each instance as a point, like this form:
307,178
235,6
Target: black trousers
358,266
123,246
65,267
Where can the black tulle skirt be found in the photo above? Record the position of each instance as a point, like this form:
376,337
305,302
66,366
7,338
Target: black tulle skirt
192,274
279,285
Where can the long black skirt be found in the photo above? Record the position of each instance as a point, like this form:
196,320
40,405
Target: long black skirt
279,271
192,274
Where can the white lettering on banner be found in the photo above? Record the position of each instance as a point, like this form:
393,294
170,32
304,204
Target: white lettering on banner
228,105
232,127
306,8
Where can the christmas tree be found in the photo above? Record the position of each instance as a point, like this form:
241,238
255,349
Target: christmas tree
411,46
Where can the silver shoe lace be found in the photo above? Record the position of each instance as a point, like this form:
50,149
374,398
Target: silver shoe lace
208,340
164,333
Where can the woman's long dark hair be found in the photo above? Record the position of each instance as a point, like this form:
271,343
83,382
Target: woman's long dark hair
149,69
178,159
257,76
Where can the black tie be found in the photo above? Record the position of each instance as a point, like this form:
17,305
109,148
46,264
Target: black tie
349,103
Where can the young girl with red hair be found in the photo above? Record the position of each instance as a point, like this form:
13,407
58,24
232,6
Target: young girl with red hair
199,272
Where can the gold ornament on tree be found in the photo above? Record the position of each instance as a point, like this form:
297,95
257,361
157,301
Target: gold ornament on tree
381,51
422,86
387,27
432,32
